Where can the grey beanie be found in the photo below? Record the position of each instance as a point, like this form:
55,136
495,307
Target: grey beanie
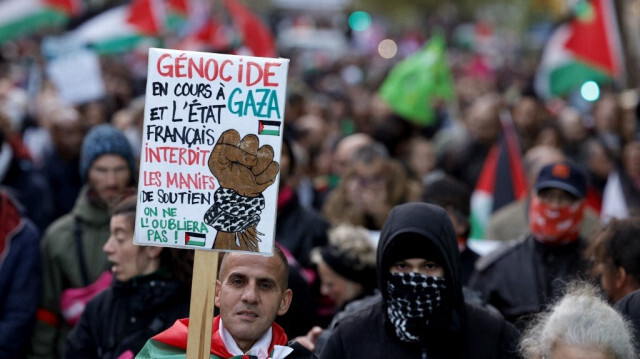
104,140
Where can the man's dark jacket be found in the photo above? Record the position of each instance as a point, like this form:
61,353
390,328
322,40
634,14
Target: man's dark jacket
523,277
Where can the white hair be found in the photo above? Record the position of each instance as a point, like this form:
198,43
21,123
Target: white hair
582,319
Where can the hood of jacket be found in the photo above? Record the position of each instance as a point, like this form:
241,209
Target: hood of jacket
431,224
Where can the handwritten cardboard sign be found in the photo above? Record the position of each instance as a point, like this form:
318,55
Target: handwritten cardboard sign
209,166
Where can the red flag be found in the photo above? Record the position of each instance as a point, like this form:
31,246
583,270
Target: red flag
255,34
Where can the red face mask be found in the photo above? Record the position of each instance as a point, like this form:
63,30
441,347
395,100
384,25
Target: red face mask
555,225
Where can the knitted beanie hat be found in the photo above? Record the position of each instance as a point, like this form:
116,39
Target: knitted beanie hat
103,140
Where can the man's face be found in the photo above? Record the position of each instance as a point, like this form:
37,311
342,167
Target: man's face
109,176
250,294
418,265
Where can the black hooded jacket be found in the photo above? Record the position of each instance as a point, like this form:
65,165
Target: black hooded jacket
124,316
459,331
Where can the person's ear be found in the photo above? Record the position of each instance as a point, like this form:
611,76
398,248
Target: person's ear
216,302
621,278
285,302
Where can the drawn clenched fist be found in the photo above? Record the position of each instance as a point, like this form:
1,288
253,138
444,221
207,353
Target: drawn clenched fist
244,171
241,166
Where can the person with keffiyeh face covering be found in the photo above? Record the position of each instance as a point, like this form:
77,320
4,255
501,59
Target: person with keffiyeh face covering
422,313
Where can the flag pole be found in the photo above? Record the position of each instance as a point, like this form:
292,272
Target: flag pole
628,27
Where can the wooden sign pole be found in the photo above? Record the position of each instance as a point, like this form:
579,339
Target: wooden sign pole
205,271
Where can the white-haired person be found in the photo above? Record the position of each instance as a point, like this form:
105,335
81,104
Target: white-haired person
581,325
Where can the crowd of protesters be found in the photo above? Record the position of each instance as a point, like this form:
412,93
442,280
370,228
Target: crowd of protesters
348,165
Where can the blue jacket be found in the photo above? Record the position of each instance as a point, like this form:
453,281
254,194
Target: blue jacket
20,276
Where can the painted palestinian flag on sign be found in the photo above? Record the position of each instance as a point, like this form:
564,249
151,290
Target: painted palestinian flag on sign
269,128
195,239
587,48
24,17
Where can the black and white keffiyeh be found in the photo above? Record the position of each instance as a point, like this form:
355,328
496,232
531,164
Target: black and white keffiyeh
413,298
232,212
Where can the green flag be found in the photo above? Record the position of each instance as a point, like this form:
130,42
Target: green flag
417,80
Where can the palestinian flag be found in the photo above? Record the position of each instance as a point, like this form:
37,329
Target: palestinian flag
502,179
23,17
587,48
122,28
269,128
195,239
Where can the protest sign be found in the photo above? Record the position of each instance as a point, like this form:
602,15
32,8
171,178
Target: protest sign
77,76
210,154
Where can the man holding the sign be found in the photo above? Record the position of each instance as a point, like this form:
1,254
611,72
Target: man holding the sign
251,292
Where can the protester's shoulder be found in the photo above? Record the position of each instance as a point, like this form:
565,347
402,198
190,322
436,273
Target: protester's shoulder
102,302
501,255
157,350
489,324
58,232
630,304
300,352
507,214
363,317
27,234
356,306
363,303
483,317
